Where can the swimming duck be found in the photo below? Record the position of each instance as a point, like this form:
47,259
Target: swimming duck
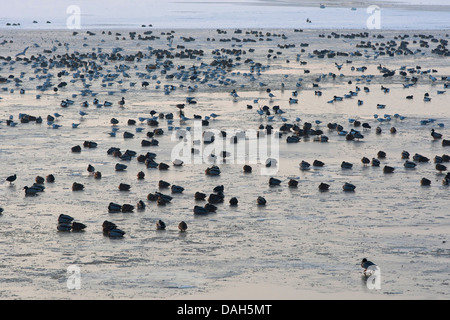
97,175
247,168
76,149
177,189
375,162
128,135
64,218
233,201
324,186
64,227
78,226
438,159
292,139
110,229
163,184
304,165
150,163
124,187
177,163
261,201
348,187
425,182
200,210
346,165
388,169
274,182
50,178
30,191
140,205
127,208
381,154
161,201
66,223
120,167
199,196
90,169
409,164
212,171
271,162
420,158
293,183
77,186
318,163
39,187
405,155
163,166
210,207
114,207
435,135
115,233
39,180
215,198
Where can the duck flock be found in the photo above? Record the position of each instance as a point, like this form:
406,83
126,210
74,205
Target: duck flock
86,82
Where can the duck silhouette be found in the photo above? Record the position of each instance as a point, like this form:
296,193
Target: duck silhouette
182,226
366,264
435,135
11,178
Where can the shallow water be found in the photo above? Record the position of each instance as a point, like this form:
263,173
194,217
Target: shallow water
302,239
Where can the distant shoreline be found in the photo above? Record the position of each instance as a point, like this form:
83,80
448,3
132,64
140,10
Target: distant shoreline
264,14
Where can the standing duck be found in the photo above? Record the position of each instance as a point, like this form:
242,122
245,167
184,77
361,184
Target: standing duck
365,161
12,178
365,264
182,226
160,225
435,135
304,165
440,167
